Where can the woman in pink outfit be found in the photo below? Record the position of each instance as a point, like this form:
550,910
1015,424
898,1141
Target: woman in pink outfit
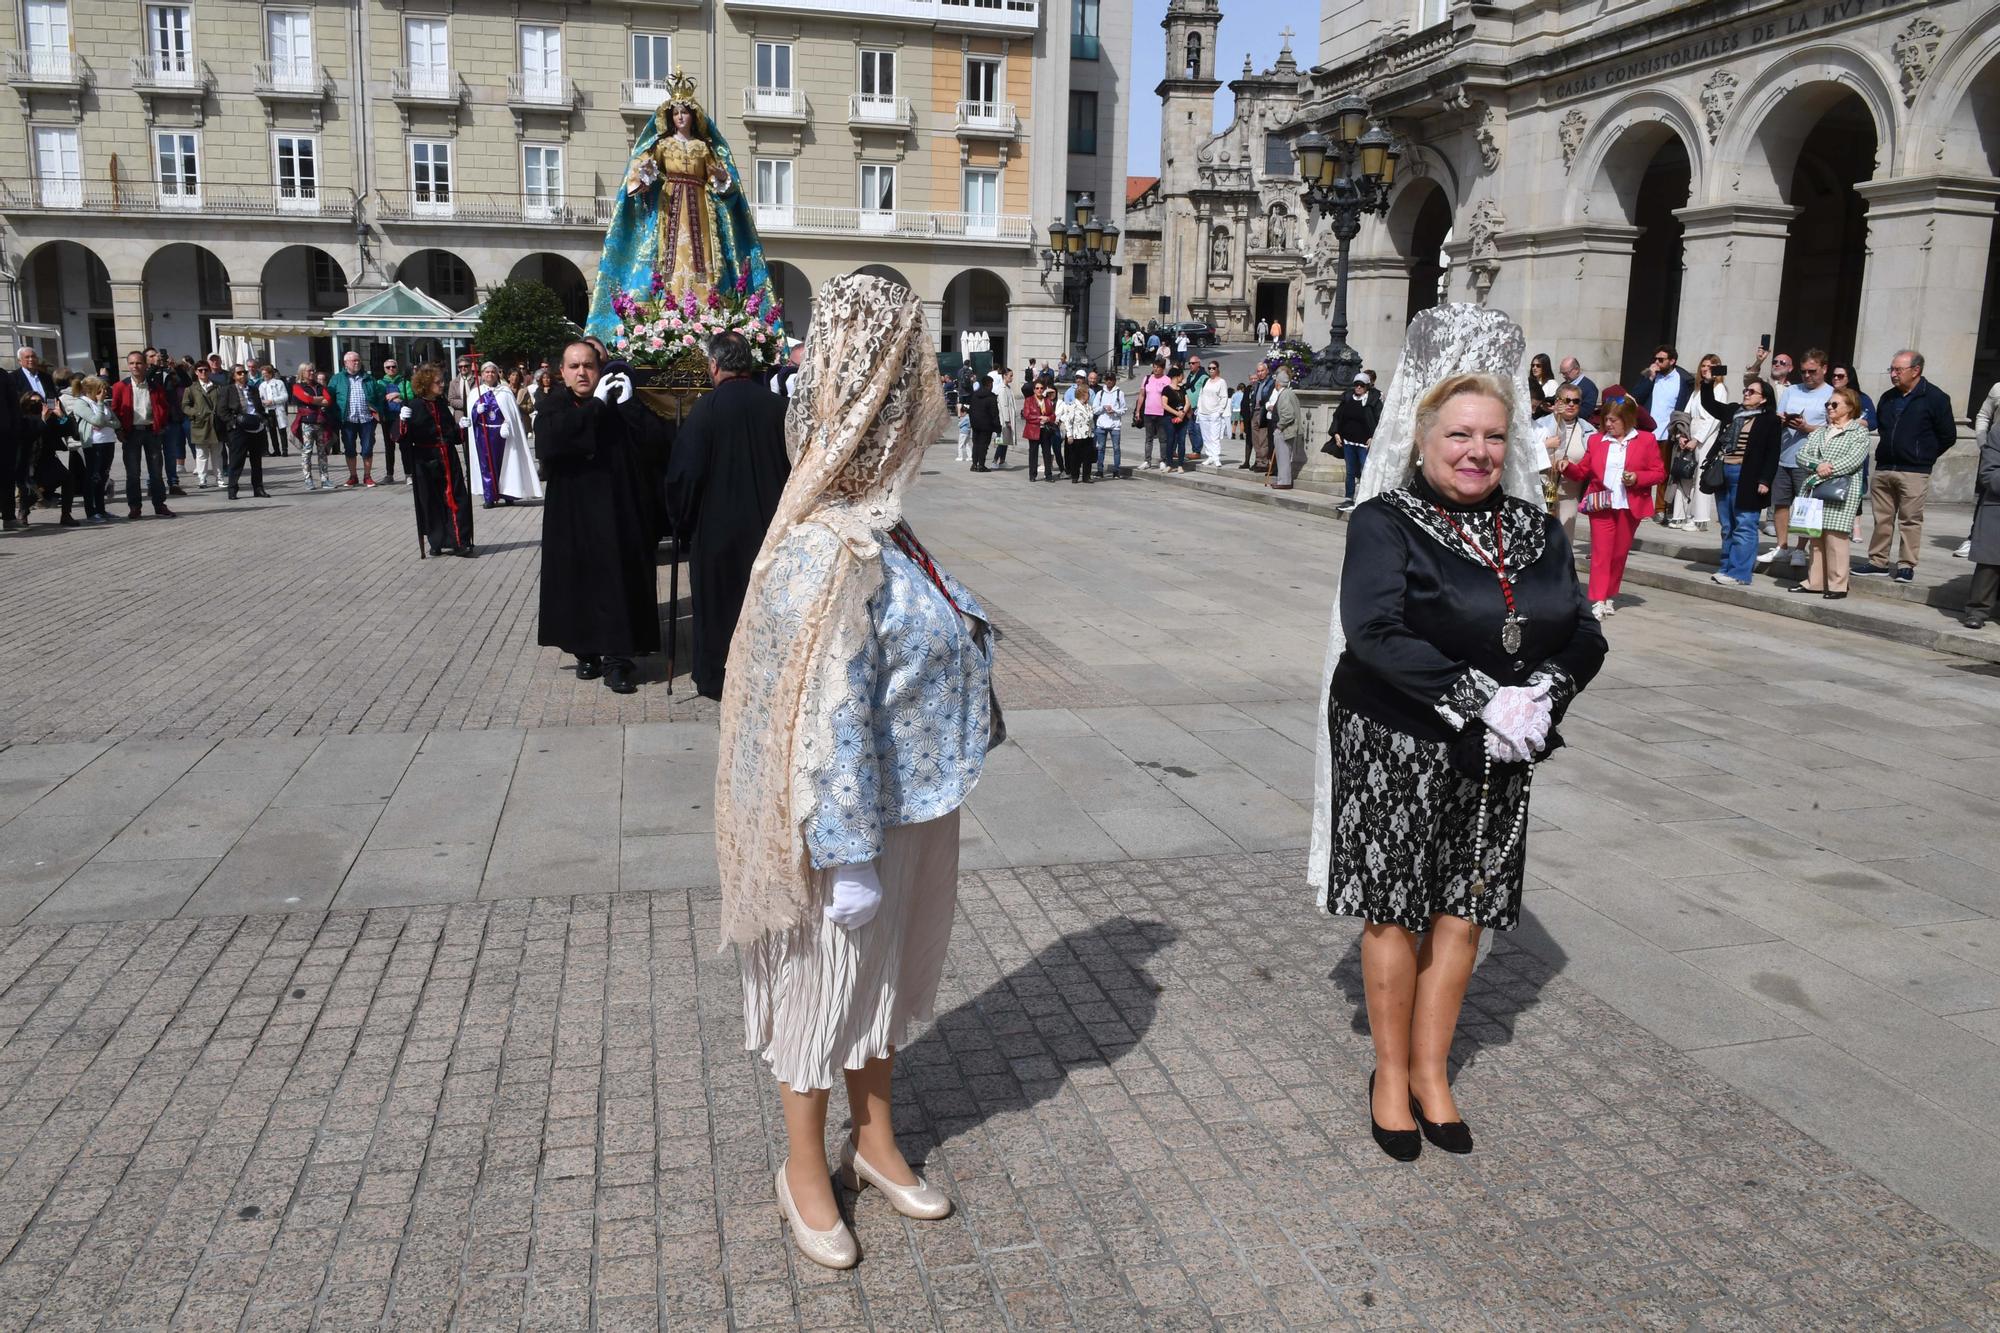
1621,466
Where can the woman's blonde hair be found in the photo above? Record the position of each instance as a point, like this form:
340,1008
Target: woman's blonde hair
1457,386
1846,394
92,387
424,380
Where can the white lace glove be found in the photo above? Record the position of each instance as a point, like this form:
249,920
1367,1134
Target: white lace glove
857,892
404,415
506,431
1517,722
614,388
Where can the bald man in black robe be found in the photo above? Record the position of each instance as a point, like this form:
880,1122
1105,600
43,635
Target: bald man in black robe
600,591
729,468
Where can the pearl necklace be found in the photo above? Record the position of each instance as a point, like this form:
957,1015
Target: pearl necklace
1479,860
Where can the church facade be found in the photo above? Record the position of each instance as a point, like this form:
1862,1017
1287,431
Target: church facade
1232,248
1621,175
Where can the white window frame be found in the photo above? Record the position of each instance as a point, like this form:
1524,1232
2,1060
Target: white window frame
985,110
293,70
177,191
53,55
434,76
301,195
442,201
776,186
170,61
879,104
651,90
545,202
983,221
544,84
66,189
774,96
873,217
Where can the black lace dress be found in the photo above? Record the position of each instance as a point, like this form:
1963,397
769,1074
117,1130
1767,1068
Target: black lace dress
1423,613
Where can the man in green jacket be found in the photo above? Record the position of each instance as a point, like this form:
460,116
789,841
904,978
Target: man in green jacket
360,402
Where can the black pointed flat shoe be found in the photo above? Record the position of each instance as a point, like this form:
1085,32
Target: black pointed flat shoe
1402,1144
1453,1136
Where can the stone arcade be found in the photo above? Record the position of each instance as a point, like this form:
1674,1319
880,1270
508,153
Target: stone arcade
1698,174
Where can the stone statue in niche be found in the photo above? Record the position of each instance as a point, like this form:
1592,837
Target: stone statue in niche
1218,250
1278,229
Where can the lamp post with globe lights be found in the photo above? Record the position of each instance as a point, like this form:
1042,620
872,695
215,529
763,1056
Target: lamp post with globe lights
1082,247
1346,178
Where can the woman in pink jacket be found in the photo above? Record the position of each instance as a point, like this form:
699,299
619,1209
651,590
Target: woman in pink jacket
1621,466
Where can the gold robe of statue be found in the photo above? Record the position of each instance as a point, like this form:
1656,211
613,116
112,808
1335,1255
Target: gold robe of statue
686,171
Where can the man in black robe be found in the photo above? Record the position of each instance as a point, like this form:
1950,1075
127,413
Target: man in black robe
729,468
600,596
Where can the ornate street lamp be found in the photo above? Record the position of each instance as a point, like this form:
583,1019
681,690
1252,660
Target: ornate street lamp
1082,247
1345,179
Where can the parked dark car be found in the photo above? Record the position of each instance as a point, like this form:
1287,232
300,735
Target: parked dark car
1198,333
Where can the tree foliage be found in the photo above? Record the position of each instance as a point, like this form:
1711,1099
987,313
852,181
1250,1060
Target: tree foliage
523,323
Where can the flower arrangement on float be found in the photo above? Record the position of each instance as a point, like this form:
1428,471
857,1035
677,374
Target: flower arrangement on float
661,330
1297,357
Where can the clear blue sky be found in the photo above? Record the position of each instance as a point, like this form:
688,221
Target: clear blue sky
1247,26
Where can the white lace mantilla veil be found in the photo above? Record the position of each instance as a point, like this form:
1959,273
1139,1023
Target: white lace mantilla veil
1443,341
865,404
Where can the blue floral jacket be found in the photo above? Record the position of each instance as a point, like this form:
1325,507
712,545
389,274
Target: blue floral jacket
910,740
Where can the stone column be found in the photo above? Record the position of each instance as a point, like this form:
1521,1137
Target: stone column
1566,286
934,316
1378,296
128,314
1928,238
1733,263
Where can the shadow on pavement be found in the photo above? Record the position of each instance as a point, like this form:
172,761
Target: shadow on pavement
1506,984
1083,1001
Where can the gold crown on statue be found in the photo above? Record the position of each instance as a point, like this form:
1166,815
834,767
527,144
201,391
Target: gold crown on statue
680,90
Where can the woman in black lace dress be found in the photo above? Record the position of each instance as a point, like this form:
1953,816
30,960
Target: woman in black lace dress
1466,637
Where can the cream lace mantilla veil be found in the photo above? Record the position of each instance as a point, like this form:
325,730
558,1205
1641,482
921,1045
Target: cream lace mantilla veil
865,404
1443,341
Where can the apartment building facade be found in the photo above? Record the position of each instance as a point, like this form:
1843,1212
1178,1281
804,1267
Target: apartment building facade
163,165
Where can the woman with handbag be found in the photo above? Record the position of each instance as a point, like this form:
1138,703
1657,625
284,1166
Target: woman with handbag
1621,466
1459,639
1830,462
856,716
1739,470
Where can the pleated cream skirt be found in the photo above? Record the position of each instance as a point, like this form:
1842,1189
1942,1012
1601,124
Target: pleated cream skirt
820,998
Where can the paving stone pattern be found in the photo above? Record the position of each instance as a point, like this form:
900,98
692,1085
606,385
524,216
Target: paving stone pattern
1144,1089
306,614
309,614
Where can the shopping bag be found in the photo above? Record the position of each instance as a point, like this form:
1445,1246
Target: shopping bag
1808,516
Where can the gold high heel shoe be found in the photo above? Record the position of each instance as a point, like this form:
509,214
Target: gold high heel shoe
923,1201
833,1248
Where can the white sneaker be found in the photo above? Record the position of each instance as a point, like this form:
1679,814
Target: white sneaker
1964,551
1725,580
1766,557
1799,558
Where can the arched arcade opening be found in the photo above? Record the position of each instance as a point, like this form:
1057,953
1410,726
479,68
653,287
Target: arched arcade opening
975,301
1826,243
440,275
186,289
303,282
66,286
560,276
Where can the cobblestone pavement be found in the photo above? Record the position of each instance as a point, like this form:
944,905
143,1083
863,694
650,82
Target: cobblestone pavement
1144,1089
310,614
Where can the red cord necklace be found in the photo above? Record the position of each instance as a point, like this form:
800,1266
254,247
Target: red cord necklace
1510,628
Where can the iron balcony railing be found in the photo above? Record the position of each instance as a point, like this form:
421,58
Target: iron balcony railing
895,224
775,104
493,207
46,69
149,197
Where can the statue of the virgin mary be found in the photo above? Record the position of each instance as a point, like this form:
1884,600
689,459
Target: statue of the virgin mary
680,216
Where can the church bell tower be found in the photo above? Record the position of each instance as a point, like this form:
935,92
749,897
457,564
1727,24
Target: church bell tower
1187,93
